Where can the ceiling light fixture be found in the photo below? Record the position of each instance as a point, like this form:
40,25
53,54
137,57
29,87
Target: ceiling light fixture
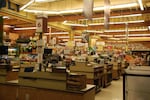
93,31
27,4
73,24
121,16
102,35
6,17
141,4
64,37
132,35
114,31
25,28
132,15
149,27
136,21
117,6
10,26
45,0
58,33
81,10
40,11
130,30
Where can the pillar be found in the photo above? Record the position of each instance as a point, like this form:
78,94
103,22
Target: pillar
1,30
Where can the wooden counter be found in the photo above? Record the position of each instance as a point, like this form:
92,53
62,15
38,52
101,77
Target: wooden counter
93,73
11,91
42,86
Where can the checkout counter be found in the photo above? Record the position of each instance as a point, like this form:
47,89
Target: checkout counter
42,86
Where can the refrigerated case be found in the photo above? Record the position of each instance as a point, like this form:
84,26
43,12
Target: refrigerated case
136,82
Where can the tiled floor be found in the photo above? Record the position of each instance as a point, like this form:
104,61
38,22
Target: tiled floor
112,92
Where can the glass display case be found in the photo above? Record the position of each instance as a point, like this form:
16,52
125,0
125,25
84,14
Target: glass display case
136,82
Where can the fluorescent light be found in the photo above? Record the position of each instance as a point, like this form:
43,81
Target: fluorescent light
93,31
74,39
58,33
121,16
64,37
144,29
25,28
141,4
123,6
44,0
136,21
71,11
40,11
6,17
102,35
9,26
26,5
116,6
92,24
132,15
81,10
114,31
132,35
149,27
73,24
114,38
95,24
130,30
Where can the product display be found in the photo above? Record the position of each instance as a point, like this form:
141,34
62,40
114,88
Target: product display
74,49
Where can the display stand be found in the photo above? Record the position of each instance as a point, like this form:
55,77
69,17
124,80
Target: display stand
136,82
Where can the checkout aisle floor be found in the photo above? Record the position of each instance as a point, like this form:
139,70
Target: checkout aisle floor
112,92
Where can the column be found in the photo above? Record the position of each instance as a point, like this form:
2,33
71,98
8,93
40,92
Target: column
1,30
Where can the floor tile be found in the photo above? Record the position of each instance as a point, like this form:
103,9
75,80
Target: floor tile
112,92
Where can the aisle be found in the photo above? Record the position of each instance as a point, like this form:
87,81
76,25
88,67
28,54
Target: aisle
112,92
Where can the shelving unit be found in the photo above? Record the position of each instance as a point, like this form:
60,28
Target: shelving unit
27,60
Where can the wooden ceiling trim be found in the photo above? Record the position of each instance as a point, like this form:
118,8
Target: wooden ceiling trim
96,15
112,26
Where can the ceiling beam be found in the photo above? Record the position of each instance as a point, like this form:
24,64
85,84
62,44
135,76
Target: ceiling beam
96,15
112,26
24,16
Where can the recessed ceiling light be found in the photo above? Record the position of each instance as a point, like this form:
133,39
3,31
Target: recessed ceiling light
44,0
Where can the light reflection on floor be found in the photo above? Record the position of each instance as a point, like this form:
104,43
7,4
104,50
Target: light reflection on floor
112,92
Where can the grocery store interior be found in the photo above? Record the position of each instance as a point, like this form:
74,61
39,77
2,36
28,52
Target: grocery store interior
74,49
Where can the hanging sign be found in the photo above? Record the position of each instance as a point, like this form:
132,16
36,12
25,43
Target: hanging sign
88,8
106,13
41,25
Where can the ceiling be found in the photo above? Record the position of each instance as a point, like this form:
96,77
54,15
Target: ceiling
138,20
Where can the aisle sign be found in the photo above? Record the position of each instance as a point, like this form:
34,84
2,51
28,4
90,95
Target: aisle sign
39,25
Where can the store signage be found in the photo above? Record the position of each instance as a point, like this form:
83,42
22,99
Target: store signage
39,25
